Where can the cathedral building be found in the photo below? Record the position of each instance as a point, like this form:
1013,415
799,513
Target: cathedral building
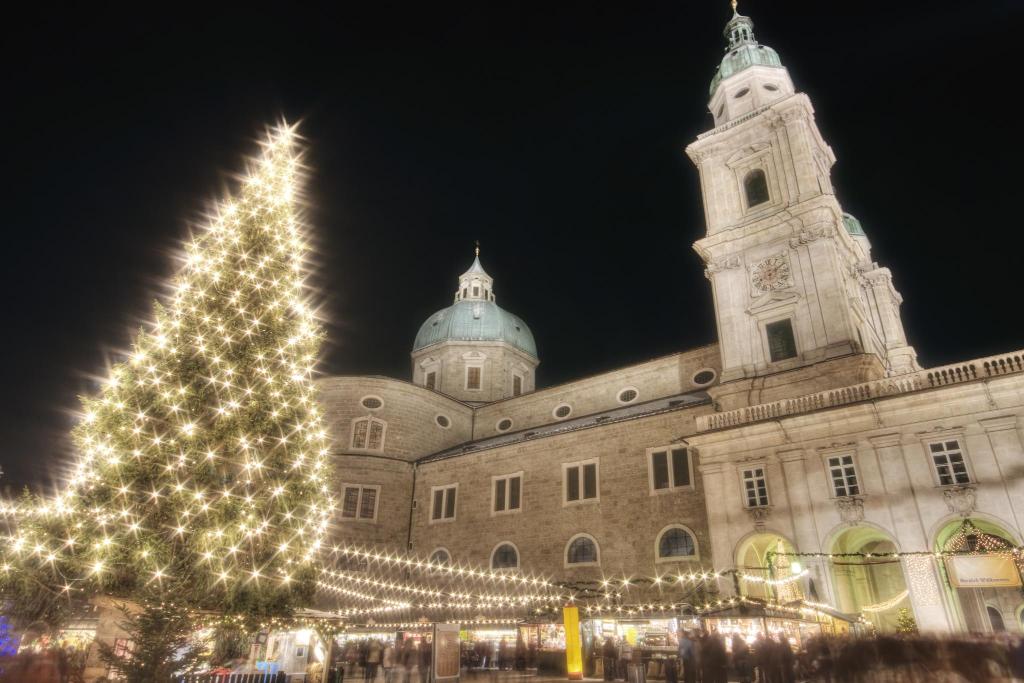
806,443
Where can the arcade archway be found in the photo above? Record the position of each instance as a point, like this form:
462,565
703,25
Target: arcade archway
873,586
987,608
768,557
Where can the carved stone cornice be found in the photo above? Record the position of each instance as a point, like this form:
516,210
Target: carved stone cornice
999,424
886,440
808,235
724,263
960,500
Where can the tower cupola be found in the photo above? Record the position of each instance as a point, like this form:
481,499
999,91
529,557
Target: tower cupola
750,75
475,284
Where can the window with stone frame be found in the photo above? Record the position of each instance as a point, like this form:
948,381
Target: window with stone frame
843,473
431,380
948,458
755,487
507,490
755,186
582,550
675,543
474,373
368,434
517,385
443,502
505,556
669,469
781,342
359,502
580,482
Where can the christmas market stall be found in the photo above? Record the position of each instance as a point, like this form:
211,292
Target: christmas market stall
797,621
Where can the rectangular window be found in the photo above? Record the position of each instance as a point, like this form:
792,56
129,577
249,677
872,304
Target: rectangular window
844,476
669,468
368,434
949,462
473,377
517,385
781,343
359,502
755,487
431,382
507,493
581,483
444,502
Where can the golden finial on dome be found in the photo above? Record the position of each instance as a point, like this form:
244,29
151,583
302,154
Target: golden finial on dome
734,3
478,247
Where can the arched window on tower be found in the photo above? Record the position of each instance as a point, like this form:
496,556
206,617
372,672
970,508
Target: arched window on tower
676,543
368,434
755,185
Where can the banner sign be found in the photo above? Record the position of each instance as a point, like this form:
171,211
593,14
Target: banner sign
573,644
446,652
982,571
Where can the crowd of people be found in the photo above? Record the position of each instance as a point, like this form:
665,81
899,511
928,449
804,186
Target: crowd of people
711,657
397,661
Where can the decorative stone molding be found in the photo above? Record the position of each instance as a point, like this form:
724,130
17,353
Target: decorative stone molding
817,232
759,516
725,263
999,424
960,500
851,509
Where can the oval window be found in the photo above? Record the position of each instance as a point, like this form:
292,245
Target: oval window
628,395
704,377
562,411
741,93
443,422
372,402
504,424
770,87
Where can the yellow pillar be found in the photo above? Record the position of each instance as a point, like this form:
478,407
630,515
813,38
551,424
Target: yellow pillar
573,643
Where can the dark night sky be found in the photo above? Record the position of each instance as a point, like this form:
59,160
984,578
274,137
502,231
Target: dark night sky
551,132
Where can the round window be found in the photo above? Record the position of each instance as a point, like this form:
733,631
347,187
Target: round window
504,424
443,422
372,402
704,377
741,93
628,395
562,411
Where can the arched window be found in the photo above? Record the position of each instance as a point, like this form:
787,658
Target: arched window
505,556
755,184
440,556
368,434
582,550
676,543
996,617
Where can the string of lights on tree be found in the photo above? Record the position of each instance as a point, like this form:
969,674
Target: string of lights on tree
202,456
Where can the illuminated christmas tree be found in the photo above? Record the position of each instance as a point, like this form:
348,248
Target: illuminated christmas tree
201,474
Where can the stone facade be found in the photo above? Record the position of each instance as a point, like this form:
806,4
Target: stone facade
807,432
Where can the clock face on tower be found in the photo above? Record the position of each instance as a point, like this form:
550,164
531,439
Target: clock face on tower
771,273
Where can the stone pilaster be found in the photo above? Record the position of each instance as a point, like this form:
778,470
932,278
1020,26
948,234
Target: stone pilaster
1009,455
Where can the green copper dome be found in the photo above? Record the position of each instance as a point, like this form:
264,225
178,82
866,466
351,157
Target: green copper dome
743,52
853,225
475,320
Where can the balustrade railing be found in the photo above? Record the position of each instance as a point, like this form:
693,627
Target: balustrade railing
957,373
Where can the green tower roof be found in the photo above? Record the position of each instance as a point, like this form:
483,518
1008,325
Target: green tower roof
743,51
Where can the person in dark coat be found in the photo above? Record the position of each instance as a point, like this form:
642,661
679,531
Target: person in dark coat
763,658
688,657
786,660
426,657
741,658
609,653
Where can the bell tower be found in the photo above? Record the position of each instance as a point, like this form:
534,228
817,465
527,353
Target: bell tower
799,304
